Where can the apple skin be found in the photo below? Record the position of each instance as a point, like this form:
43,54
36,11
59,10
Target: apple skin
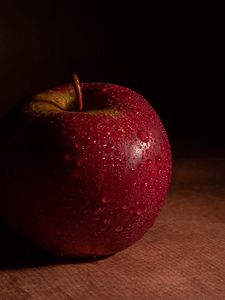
87,183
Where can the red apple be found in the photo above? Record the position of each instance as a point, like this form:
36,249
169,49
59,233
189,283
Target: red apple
83,175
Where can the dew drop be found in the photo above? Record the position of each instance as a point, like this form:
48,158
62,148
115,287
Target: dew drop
148,163
78,146
124,207
143,136
119,228
153,173
108,148
106,199
83,133
163,147
131,211
158,161
140,210
107,221
159,171
144,187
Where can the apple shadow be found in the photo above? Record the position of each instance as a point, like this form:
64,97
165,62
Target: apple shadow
15,253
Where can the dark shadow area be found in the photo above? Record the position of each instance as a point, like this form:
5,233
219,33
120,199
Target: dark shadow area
16,253
193,146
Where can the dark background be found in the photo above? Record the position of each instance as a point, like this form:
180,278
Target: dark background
148,46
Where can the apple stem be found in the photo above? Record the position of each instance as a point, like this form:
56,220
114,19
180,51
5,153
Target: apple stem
77,88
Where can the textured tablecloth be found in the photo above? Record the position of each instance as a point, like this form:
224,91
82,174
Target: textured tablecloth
181,257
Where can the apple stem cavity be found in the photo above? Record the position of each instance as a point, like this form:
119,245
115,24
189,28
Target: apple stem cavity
77,88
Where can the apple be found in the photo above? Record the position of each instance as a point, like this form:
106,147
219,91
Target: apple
85,168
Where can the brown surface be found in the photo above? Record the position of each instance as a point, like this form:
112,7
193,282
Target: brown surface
181,257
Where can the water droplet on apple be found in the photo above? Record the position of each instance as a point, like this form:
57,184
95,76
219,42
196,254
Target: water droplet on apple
99,210
106,199
143,136
140,210
134,183
108,148
119,228
83,133
124,207
78,146
163,147
158,160
148,163
131,211
144,187
159,171
107,221
152,173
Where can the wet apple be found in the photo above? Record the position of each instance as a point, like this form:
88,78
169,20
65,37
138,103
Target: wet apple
85,168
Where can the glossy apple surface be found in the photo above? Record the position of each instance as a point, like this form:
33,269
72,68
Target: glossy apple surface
83,183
